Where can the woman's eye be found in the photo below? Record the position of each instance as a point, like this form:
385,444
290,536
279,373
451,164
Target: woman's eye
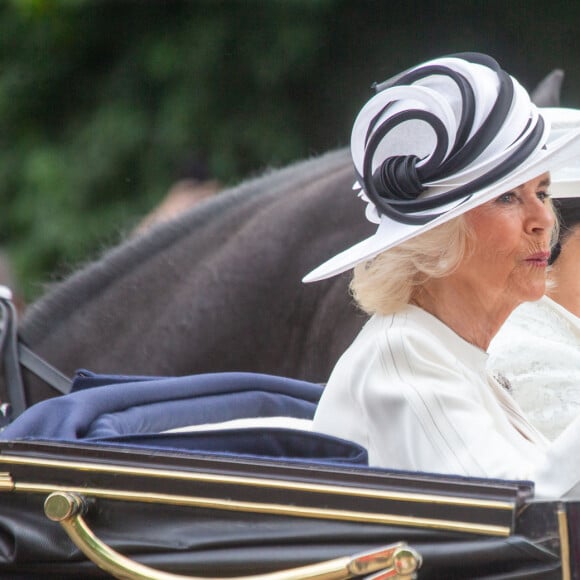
543,195
506,197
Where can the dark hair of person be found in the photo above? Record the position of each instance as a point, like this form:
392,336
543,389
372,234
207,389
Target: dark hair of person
568,212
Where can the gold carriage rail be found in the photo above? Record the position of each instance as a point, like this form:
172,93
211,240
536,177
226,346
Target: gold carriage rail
397,561
324,493
95,494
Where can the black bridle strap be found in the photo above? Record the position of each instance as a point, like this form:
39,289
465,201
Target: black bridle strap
14,386
13,354
43,370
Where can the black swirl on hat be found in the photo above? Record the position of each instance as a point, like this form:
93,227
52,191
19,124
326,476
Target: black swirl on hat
396,185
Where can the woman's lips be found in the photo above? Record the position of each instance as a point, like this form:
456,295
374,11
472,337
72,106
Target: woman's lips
538,259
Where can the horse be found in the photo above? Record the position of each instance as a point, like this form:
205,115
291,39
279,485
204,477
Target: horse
219,287
216,289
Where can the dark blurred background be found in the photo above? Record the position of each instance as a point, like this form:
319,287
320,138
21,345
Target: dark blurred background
104,106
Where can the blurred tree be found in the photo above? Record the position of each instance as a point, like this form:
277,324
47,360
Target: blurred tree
103,102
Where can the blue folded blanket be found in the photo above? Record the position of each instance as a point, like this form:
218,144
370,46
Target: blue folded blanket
133,410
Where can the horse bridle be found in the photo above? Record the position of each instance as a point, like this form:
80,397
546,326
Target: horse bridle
14,354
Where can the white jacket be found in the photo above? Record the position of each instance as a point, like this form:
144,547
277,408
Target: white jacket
418,397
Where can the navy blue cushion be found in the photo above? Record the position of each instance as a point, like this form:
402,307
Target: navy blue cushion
129,410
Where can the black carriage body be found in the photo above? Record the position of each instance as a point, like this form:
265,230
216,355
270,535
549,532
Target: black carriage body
202,515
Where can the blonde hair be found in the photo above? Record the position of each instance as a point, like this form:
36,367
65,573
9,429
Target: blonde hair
386,283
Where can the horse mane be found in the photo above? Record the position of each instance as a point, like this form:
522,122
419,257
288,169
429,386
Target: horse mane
66,297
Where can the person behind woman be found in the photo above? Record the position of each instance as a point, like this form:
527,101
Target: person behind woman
538,347
451,157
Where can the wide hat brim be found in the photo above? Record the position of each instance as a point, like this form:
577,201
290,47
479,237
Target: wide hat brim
566,187
557,153
565,180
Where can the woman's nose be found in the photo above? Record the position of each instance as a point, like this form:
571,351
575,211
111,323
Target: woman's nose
540,216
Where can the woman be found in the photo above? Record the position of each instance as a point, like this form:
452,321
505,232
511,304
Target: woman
452,159
538,348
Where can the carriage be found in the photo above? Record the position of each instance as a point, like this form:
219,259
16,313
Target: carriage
95,483
204,464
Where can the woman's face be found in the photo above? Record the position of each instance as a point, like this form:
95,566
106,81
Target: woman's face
511,243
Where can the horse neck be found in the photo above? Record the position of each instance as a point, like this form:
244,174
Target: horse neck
188,296
93,283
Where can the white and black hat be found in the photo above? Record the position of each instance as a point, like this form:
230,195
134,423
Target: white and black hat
440,139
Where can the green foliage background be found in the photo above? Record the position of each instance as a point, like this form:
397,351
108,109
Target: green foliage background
102,103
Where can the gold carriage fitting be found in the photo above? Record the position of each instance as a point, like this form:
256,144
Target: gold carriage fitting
168,515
